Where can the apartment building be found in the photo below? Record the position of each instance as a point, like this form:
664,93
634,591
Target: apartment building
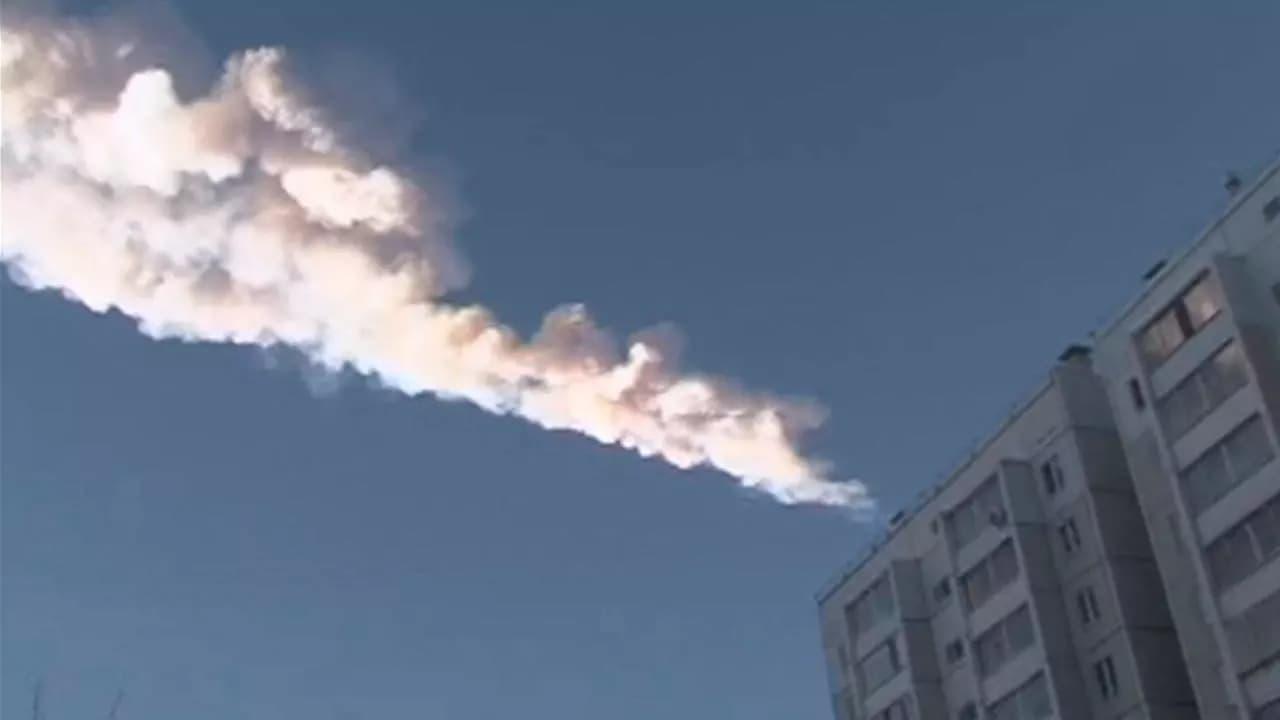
1192,368
1024,587
1112,552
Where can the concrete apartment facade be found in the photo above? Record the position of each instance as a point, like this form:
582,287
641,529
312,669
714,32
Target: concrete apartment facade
1112,551
1023,587
1192,368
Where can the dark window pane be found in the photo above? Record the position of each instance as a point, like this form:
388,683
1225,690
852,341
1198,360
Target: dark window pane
1249,448
1202,301
1160,338
1206,480
1135,394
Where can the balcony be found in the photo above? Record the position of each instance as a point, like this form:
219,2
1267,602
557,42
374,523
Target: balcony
1191,354
1236,503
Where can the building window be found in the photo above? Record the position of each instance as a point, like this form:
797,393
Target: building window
1070,535
899,710
1051,475
979,510
1207,387
1234,459
873,606
1184,317
1135,395
942,591
1029,702
1104,671
955,651
844,657
1271,210
1248,448
1256,632
989,576
879,666
1087,602
968,712
1246,547
1004,641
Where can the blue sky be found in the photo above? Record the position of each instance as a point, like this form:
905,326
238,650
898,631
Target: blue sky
901,210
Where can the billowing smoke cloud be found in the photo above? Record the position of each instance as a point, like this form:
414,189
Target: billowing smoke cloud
246,215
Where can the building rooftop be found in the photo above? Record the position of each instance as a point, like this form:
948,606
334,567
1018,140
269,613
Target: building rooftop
1163,267
904,516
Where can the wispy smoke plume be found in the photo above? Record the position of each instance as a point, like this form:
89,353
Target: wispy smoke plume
246,215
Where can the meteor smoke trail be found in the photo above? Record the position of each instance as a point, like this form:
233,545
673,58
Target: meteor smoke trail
246,216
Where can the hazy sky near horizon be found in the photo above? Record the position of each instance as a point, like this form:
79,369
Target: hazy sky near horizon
901,210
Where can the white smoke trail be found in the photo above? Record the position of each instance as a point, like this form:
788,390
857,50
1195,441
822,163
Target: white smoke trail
244,216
